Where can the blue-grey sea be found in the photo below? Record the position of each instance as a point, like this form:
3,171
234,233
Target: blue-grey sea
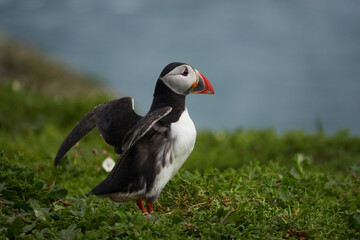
280,64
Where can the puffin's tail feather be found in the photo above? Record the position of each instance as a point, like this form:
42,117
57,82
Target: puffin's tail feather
81,129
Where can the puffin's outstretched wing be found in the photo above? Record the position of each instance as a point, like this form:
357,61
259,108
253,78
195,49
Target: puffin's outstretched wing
113,119
138,131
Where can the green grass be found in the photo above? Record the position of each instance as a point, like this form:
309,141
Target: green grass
253,184
266,202
335,153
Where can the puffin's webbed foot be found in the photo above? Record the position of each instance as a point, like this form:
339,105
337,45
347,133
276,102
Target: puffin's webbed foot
143,209
141,206
150,207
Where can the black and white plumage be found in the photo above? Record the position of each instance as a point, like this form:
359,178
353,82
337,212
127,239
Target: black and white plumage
152,148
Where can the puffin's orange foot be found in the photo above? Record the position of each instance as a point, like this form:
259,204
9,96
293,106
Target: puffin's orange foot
141,206
150,207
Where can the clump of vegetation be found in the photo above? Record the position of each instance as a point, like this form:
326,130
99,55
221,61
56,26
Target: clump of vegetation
35,209
21,198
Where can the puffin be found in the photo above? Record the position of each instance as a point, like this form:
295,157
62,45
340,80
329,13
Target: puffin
151,148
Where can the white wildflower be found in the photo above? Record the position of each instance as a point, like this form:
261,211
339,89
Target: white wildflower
300,157
108,164
15,86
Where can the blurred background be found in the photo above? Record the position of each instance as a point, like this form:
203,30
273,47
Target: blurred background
280,64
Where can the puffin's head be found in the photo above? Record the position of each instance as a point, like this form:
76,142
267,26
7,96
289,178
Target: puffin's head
184,79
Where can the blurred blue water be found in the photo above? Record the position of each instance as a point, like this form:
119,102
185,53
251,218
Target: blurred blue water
281,64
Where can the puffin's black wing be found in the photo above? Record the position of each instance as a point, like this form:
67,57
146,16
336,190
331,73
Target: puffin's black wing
143,126
139,130
113,119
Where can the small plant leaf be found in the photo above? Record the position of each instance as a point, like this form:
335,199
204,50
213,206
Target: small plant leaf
285,194
39,212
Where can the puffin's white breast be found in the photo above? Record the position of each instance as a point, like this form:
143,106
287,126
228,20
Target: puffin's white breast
183,133
183,136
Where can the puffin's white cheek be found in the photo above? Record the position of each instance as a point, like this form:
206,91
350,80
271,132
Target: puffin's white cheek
178,85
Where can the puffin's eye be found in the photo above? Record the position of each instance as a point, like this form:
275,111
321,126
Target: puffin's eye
185,72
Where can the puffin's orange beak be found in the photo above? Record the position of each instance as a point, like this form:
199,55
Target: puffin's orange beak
201,85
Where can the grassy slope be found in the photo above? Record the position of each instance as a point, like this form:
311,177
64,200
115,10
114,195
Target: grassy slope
255,198
250,202
334,153
35,71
